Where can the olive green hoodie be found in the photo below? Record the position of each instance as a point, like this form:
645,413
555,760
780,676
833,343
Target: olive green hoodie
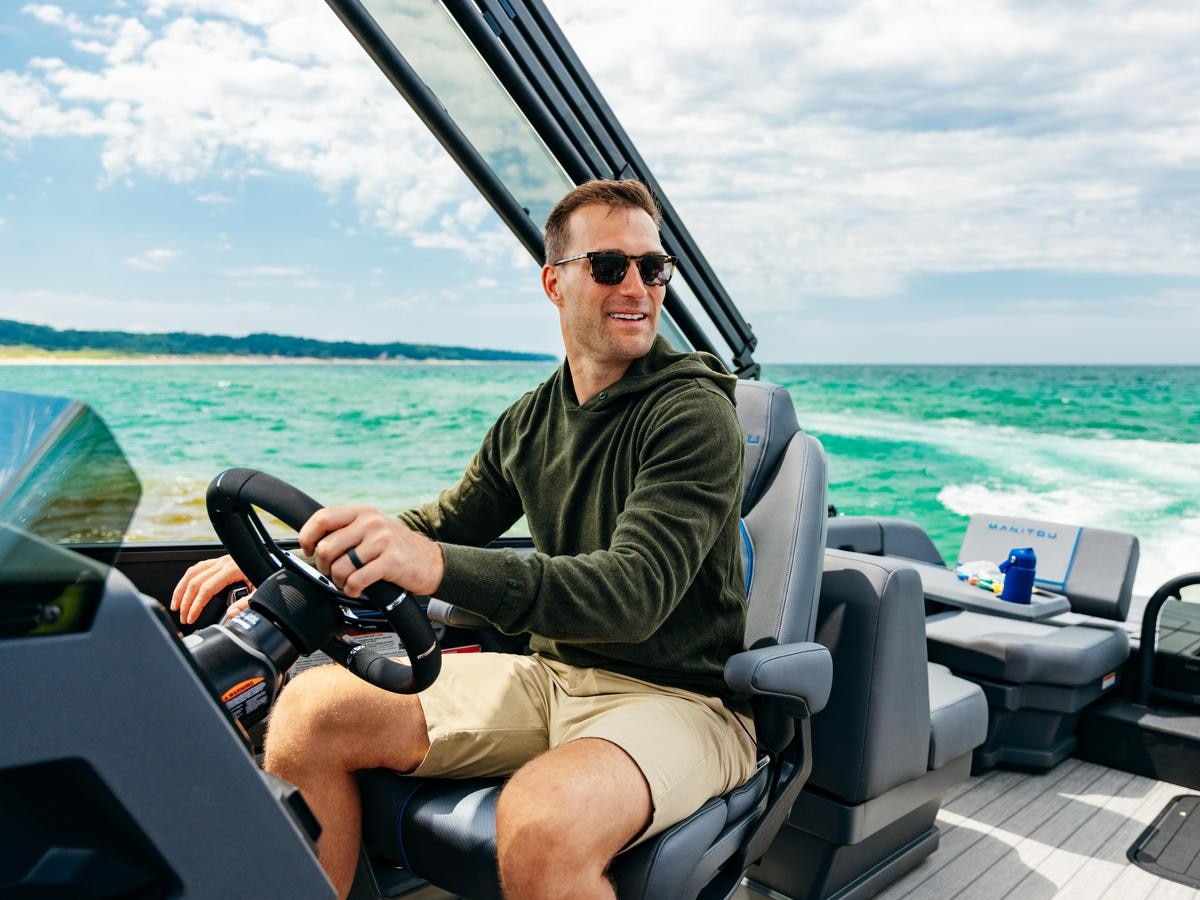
632,500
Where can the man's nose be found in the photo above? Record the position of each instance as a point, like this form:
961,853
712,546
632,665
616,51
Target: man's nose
632,284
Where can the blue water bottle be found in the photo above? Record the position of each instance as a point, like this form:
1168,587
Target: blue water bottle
1019,571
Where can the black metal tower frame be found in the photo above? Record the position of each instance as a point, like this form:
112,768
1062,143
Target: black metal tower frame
532,60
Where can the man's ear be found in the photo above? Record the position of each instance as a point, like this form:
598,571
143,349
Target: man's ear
550,284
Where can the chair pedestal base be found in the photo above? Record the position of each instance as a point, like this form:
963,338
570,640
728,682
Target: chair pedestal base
805,866
1030,740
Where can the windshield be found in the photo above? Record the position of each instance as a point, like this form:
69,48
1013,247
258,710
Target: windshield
63,480
433,45
62,476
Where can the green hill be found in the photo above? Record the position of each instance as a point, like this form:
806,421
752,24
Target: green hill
182,343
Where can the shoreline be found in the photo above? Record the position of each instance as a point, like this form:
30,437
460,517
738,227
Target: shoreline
67,359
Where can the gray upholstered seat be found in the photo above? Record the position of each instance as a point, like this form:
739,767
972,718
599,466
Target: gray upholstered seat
896,734
1024,652
1038,676
444,830
958,716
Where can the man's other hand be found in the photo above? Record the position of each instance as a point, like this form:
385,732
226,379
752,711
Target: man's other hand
201,583
387,549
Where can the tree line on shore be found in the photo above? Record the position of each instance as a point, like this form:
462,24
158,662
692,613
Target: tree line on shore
182,343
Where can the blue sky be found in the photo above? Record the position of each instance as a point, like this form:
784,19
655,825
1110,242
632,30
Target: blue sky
873,181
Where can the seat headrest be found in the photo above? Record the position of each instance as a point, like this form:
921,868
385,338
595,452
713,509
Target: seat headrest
1093,567
768,421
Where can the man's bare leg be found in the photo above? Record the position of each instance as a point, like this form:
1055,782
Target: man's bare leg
563,817
327,725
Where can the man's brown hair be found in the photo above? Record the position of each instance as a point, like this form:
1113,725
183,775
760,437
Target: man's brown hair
613,194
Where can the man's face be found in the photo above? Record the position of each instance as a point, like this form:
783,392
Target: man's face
606,325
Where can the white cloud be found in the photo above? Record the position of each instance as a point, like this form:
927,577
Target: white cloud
264,272
90,310
208,88
152,260
813,149
50,14
845,146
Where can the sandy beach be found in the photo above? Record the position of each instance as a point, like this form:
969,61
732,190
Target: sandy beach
93,359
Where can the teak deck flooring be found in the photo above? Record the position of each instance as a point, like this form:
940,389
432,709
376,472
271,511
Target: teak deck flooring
1060,834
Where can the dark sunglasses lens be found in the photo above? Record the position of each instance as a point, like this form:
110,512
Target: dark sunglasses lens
656,270
609,268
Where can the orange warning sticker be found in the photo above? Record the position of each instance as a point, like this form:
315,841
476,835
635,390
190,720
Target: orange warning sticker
240,688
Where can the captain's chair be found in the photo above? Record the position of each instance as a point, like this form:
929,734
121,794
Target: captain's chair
445,830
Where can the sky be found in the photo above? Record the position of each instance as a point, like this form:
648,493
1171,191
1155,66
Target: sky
881,182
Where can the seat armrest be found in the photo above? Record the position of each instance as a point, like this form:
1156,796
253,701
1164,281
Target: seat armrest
455,616
790,672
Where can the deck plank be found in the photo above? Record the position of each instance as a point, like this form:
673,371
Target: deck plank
1111,798
1108,872
1031,837
969,820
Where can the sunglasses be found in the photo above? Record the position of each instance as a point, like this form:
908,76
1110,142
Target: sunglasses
609,266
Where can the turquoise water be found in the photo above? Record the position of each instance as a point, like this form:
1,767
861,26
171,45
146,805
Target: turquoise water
1113,447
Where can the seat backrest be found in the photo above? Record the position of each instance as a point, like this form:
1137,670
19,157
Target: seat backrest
874,733
1093,567
783,514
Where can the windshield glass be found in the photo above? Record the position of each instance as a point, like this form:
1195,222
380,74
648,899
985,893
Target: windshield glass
437,49
62,476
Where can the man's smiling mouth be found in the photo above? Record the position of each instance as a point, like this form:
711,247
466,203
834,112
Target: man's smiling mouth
627,317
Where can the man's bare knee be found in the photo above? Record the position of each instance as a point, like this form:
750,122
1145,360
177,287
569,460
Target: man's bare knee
564,816
327,716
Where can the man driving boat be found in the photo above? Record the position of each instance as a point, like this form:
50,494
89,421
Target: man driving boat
627,464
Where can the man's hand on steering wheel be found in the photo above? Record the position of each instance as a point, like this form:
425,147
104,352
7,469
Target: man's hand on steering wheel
201,583
357,546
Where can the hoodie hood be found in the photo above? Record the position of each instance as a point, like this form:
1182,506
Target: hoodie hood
662,364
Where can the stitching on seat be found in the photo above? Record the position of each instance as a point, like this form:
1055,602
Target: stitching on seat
666,835
762,662
862,762
748,543
796,516
766,442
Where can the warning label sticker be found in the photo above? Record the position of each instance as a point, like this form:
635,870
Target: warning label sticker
251,696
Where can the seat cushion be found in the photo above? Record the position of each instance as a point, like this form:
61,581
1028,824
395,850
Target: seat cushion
958,716
1024,652
445,831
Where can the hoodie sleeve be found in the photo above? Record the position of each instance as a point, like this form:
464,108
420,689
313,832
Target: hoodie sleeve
687,487
477,510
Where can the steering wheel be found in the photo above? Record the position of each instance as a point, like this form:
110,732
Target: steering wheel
231,499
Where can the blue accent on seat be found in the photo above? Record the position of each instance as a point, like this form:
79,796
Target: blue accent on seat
748,545
400,823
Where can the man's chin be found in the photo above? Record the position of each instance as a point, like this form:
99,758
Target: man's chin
635,347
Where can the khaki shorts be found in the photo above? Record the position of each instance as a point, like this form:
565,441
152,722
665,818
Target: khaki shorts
490,713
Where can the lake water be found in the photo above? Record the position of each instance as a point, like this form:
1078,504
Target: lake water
1113,447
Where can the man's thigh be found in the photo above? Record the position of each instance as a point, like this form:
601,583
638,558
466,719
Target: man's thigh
689,748
486,715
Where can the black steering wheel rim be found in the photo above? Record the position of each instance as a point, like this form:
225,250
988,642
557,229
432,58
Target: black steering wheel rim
232,496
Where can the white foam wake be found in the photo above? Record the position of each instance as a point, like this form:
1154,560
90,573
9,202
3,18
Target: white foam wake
1148,488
